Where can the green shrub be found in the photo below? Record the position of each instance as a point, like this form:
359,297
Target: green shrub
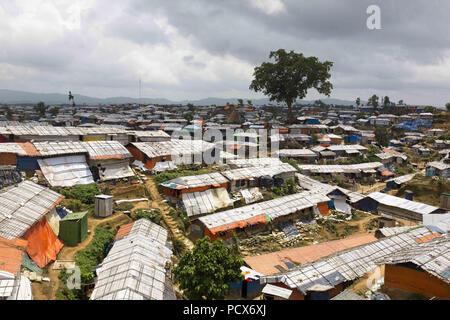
178,246
88,258
154,216
75,205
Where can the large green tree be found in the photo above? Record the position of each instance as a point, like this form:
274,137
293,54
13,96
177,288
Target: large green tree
41,108
290,77
204,272
382,136
358,101
447,105
373,101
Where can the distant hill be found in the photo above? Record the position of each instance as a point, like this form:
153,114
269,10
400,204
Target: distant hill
23,97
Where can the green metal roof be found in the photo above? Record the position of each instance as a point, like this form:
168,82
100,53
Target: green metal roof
75,216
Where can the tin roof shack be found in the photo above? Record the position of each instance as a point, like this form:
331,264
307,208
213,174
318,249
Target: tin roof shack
421,269
103,205
73,228
175,188
21,154
28,211
150,136
284,260
303,155
108,160
396,183
347,150
439,169
259,176
13,286
328,276
137,267
256,217
178,151
354,171
397,207
254,162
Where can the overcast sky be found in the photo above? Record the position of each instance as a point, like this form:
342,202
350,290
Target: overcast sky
192,49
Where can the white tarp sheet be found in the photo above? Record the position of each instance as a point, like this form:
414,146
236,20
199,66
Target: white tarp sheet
251,195
197,203
116,171
342,206
66,171
164,166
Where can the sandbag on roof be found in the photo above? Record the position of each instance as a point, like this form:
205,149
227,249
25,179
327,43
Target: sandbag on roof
66,171
43,245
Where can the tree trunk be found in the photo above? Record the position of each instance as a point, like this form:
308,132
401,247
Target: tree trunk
290,120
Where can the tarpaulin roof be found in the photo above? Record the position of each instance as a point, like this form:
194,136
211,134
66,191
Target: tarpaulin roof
66,171
173,147
134,268
346,265
11,254
272,208
393,201
117,170
43,245
194,181
253,172
256,162
207,201
22,206
271,262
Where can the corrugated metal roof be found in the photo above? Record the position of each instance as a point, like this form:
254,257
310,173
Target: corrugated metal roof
349,264
194,181
256,162
173,147
388,200
135,267
23,206
254,172
273,208
432,256
340,168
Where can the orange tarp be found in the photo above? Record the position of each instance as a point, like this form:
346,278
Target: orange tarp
323,208
43,245
11,254
124,230
261,218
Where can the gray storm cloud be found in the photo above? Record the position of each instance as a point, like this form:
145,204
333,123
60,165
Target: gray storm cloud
202,48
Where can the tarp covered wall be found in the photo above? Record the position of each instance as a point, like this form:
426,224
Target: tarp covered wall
43,245
66,171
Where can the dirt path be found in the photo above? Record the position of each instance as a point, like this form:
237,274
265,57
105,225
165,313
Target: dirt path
48,290
164,208
369,189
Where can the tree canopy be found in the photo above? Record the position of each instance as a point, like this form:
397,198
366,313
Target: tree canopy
373,101
447,105
291,76
204,272
382,136
41,108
